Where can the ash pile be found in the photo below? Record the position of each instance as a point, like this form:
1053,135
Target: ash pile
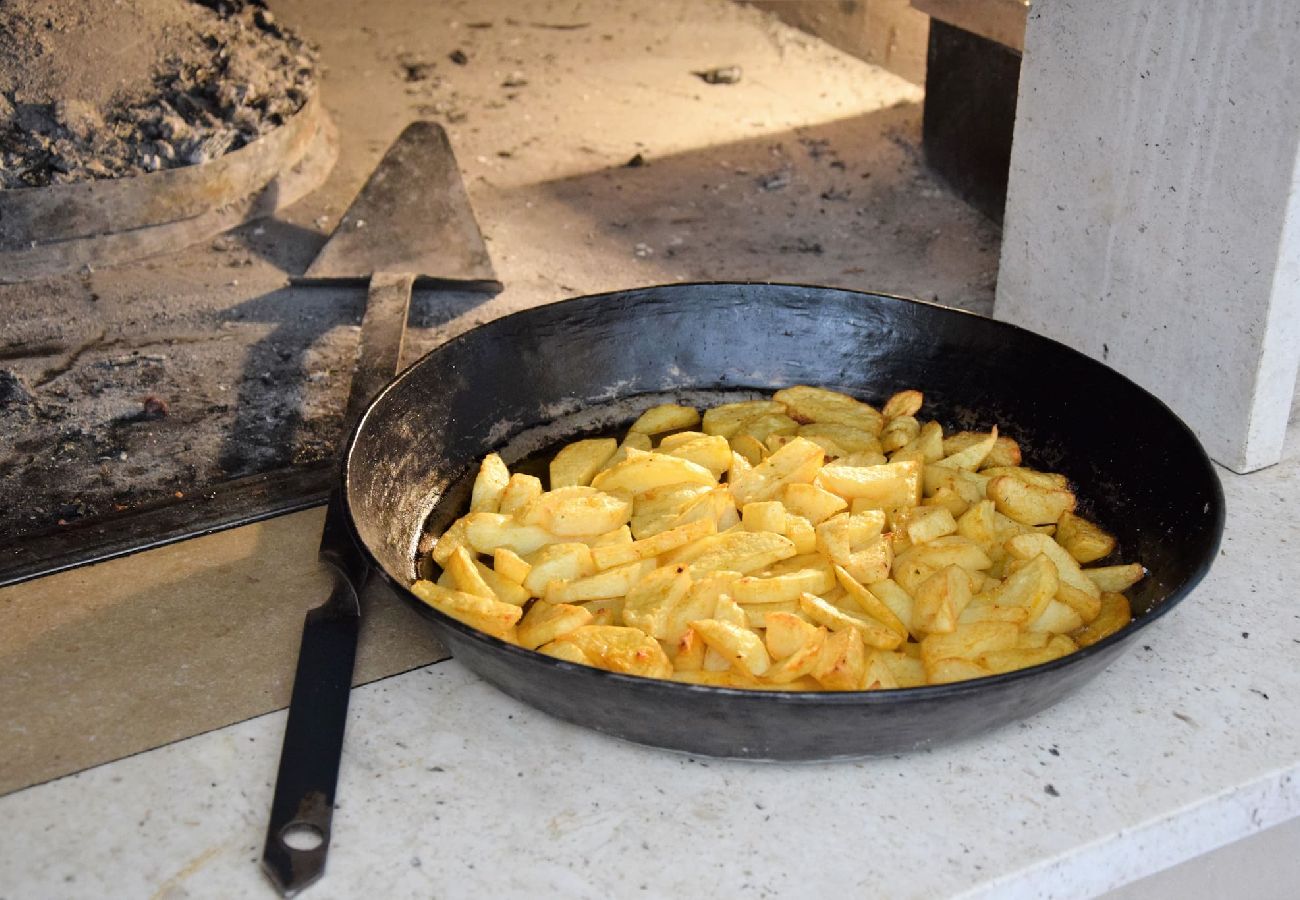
92,90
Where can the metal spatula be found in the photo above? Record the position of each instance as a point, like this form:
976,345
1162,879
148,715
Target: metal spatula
410,225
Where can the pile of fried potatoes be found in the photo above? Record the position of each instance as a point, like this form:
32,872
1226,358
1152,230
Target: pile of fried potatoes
807,542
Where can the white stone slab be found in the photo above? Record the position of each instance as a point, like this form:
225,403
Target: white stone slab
1153,211
450,789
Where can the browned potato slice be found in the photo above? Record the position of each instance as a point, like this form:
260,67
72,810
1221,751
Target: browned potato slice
873,562
655,509
750,448
1114,579
710,451
1086,605
447,542
665,417
1115,613
615,582
577,512
927,446
898,601
1048,480
907,671
485,532
1005,452
884,487
786,633
969,641
1031,587
842,663
1056,618
903,403
577,463
647,548
846,437
489,485
465,577
567,652
813,404
878,675
633,440
929,523
762,427
873,633
988,612
671,441
801,661
489,616
727,418
869,603
1016,658
782,588
742,648
644,471
1085,541
558,562
544,622
650,601
795,463
520,490
940,599
972,457
756,613
737,551
510,565
899,432
950,550
813,503
1027,546
1027,503
620,649
764,515
947,671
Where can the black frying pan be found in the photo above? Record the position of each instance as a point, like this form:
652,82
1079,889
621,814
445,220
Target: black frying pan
533,378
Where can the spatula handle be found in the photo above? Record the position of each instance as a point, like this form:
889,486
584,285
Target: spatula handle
298,836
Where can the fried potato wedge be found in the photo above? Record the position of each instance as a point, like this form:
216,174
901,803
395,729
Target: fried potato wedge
737,551
869,603
610,555
873,633
1029,504
1113,615
726,419
558,562
485,532
842,663
742,648
813,404
615,582
520,490
577,511
813,503
665,417
1085,541
784,588
489,616
544,622
620,649
795,463
1115,579
644,471
765,426
903,403
969,641
1027,546
489,485
577,463
711,452
884,487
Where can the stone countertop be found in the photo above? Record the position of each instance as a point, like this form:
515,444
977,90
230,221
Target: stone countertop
449,788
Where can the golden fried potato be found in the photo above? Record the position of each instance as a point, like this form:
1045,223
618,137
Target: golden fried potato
520,490
737,644
946,671
737,551
647,548
971,457
764,515
557,562
1115,579
644,471
813,503
795,463
1027,546
898,433
1028,504
1085,541
485,532
884,487
545,622
842,663
762,427
750,448
615,582
665,417
903,403
509,565
577,463
620,649
489,616
712,452
489,485
869,603
633,440
940,599
725,420
845,437
813,404
1113,615
577,511
784,588
873,633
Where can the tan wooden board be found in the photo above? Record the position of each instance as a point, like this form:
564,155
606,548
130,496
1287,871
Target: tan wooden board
109,660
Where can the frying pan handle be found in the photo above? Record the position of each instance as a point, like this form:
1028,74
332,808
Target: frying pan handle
298,835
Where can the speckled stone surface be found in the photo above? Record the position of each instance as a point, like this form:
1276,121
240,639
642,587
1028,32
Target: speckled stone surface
450,789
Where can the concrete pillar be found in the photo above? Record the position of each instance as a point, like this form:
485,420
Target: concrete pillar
1153,209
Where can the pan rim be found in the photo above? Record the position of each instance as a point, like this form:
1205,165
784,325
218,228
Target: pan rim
1216,508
